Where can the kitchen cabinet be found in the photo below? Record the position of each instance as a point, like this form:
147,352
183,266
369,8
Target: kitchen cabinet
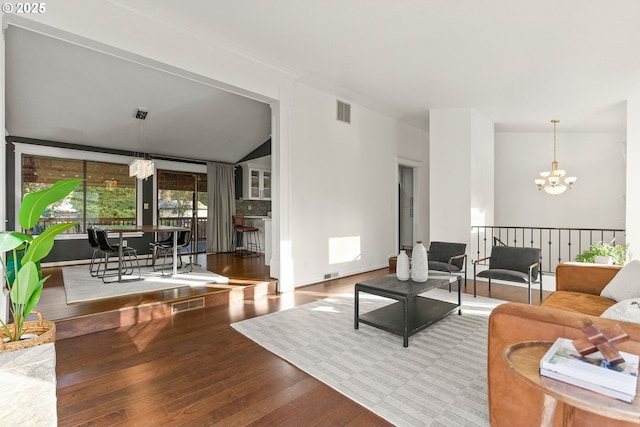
259,184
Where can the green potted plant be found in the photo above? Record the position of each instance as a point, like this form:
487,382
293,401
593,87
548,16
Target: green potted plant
24,281
605,253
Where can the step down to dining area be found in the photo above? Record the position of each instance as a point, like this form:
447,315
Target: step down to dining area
132,314
80,311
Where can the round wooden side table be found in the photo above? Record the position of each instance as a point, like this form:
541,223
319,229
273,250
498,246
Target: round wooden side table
524,359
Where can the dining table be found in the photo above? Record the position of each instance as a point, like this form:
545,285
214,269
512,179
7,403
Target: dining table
121,229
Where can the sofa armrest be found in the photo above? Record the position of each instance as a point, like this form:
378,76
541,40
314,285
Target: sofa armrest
513,402
584,277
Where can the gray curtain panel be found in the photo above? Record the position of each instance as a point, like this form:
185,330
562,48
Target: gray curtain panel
222,205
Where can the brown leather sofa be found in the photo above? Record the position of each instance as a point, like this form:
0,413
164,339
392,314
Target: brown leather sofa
577,297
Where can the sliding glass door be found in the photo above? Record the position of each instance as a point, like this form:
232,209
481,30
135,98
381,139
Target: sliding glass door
182,202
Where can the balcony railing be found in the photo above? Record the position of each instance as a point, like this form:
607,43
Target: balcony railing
556,244
106,222
45,223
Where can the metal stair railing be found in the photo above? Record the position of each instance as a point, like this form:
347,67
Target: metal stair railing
556,244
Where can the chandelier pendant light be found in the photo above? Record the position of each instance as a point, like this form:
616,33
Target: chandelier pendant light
141,168
551,182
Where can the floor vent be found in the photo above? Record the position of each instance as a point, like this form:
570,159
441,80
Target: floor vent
191,304
344,112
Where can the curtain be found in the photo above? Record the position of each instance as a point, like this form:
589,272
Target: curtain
222,205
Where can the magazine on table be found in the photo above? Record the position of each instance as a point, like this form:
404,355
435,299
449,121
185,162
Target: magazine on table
563,362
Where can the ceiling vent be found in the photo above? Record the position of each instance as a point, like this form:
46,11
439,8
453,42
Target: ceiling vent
141,114
344,112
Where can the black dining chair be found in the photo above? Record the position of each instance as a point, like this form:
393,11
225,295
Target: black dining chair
91,235
154,246
165,250
108,250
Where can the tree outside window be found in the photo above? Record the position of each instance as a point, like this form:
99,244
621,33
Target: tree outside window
106,197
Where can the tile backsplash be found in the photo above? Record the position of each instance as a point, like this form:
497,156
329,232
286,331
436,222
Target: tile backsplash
253,207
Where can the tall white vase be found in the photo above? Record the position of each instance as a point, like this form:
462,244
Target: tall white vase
419,263
402,266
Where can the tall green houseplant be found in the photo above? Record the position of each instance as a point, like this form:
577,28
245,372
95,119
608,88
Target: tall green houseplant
24,281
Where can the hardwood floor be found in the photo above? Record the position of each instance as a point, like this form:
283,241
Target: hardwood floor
194,369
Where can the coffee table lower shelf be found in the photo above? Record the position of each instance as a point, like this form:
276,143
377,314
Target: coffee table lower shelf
422,313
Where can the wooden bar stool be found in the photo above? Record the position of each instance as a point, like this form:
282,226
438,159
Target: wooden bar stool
249,235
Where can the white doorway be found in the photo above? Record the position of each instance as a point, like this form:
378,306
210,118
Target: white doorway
405,205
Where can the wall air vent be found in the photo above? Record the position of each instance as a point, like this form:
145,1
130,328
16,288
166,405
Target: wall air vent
191,304
344,112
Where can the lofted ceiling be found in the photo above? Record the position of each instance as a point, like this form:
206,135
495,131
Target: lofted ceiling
520,63
63,92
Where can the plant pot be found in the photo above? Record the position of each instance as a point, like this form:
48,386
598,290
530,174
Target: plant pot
601,259
393,263
44,330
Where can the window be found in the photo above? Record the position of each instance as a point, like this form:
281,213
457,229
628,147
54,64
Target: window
107,195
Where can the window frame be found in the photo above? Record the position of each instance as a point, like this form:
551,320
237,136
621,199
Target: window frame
71,154
172,167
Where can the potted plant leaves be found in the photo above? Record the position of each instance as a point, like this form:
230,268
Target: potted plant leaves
605,253
24,281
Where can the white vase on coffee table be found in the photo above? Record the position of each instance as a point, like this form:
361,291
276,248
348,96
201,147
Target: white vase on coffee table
419,263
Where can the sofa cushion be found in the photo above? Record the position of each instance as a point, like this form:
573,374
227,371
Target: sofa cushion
625,284
627,310
578,302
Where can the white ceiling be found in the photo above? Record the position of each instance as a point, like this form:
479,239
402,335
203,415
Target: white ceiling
521,63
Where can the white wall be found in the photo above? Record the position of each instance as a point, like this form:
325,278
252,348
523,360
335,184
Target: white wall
595,201
449,174
633,173
482,170
344,179
460,172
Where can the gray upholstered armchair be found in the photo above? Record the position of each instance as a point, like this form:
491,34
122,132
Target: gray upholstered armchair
449,257
513,264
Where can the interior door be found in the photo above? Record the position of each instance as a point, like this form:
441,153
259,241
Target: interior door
405,187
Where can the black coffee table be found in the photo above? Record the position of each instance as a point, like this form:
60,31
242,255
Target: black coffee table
412,313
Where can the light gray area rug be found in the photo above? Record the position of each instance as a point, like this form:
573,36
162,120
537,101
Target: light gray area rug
439,380
79,286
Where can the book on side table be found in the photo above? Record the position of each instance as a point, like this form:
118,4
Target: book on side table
563,362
